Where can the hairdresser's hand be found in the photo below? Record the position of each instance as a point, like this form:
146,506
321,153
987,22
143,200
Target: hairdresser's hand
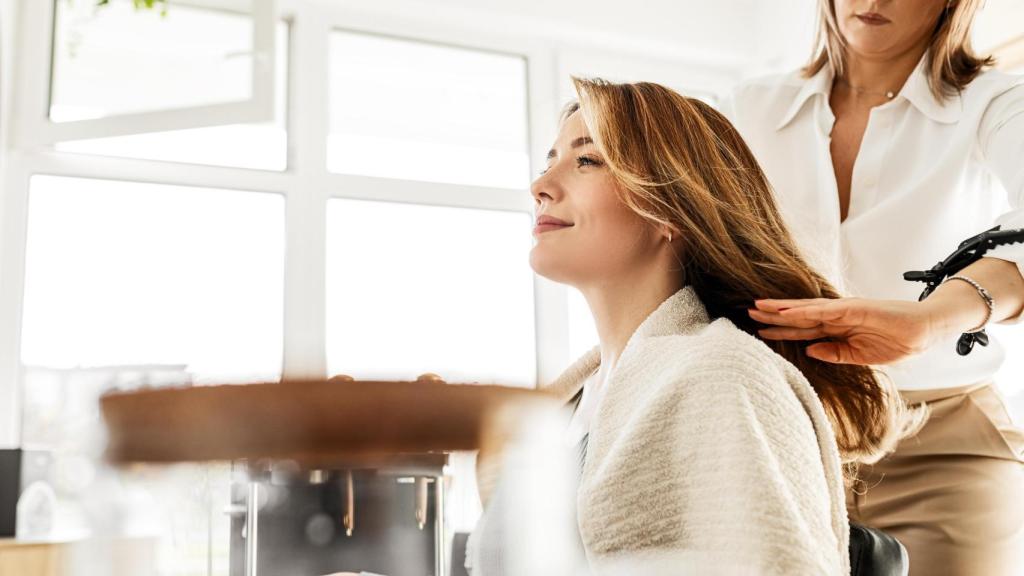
859,330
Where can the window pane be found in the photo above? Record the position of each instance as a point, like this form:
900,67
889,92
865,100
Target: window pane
258,146
125,273
417,111
414,289
115,59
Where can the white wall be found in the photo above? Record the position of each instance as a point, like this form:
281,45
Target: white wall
9,431
998,22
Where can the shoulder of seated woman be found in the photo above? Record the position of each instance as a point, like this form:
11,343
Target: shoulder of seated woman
718,350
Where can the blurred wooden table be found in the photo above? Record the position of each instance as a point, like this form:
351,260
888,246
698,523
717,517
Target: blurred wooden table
313,422
27,558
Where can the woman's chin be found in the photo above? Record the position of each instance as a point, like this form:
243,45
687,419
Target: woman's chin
538,262
871,44
548,265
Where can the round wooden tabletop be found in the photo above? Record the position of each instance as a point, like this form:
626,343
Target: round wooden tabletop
311,421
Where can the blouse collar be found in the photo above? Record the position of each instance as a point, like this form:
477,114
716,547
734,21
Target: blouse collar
916,90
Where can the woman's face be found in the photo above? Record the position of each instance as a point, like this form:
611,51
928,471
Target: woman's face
885,28
597,239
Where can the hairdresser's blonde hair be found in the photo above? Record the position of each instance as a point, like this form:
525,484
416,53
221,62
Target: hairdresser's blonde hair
682,167
952,63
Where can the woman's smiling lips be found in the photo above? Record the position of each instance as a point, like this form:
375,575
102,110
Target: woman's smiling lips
548,223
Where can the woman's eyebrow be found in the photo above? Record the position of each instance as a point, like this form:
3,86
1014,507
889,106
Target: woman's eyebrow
581,141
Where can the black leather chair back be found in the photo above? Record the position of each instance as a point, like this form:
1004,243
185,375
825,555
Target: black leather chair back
875,553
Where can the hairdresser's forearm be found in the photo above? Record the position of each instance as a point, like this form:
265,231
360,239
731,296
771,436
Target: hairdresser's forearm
957,307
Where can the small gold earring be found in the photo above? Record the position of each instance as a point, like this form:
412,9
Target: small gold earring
670,237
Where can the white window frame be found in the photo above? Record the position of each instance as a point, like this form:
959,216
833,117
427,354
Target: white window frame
36,128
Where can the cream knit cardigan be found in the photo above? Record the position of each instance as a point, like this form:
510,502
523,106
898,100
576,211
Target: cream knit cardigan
707,450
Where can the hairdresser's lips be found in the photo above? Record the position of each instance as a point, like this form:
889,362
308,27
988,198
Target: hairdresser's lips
873,19
549,223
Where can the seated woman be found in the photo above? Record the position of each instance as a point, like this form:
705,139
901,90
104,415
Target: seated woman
703,445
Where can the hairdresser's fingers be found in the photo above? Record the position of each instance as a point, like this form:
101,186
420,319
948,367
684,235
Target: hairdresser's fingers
834,352
878,324
777,319
793,333
862,347
845,312
849,352
776,304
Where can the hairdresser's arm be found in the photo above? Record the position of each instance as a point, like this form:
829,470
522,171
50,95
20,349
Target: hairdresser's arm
885,331
864,331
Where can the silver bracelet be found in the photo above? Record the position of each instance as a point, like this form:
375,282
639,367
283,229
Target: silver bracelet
989,302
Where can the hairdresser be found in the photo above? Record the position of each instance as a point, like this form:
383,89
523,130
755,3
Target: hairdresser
894,144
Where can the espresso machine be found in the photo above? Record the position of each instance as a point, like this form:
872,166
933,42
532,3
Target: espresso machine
385,518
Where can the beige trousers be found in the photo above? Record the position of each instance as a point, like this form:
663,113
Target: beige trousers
954,493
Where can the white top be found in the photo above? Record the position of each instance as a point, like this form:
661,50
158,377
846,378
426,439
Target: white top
579,425
928,175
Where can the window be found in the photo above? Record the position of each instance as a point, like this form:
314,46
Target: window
419,111
259,146
115,70
414,289
117,59
125,273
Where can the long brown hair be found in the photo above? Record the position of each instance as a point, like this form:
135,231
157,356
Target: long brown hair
683,168
952,63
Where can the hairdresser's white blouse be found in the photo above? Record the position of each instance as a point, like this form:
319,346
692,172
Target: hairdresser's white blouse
929,175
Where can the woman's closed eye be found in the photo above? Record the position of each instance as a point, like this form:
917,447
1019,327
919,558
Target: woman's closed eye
581,161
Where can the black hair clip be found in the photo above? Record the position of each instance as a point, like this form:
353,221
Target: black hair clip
965,343
969,252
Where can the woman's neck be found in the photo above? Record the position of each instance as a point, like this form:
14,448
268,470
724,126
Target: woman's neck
869,75
619,308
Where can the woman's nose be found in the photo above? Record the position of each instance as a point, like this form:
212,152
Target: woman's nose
544,188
